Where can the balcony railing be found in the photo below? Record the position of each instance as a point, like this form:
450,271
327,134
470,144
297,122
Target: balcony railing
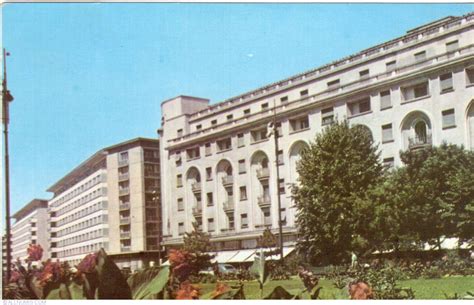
419,142
197,210
152,174
123,162
263,173
124,191
125,220
228,180
152,233
151,189
264,201
124,235
196,187
124,206
125,248
229,205
124,176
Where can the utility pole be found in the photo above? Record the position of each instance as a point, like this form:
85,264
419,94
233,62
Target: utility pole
6,99
275,136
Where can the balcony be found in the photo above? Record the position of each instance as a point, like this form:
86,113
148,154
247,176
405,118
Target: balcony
125,220
229,205
125,248
124,191
151,218
124,235
196,187
151,189
227,180
152,174
153,233
123,176
151,204
123,162
124,206
264,201
197,211
263,173
418,142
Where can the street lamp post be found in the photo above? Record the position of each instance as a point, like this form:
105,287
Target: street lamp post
280,226
6,99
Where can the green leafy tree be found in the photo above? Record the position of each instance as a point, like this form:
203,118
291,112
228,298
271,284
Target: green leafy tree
334,172
199,245
439,188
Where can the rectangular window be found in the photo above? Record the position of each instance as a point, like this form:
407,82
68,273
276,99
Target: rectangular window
242,166
181,228
207,149
327,116
387,133
389,162
192,153
304,93
179,180
224,144
210,225
240,140
470,76
280,157
385,100
448,118
283,216
243,193
420,56
180,133
358,107
123,156
446,82
452,46
230,117
416,91
267,217
214,122
334,84
259,134
364,74
208,173
264,106
231,222
281,186
284,99
198,127
279,129
210,201
391,65
247,111
180,204
244,221
299,123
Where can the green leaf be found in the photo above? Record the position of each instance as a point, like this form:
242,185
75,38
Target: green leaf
112,285
64,293
76,291
279,293
232,294
259,270
148,283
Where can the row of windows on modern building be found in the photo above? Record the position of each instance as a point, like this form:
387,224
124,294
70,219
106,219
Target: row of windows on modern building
80,250
92,221
87,236
98,206
354,108
79,189
408,93
79,203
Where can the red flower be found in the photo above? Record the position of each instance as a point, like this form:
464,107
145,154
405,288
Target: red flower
35,252
187,291
51,272
360,291
15,276
88,263
220,289
180,264
177,257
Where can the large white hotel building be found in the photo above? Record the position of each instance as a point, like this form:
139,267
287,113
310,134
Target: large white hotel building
220,164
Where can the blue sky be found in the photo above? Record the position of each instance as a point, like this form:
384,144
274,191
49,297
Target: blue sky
86,76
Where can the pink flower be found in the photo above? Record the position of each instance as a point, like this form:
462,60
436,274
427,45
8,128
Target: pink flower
35,252
88,263
15,276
